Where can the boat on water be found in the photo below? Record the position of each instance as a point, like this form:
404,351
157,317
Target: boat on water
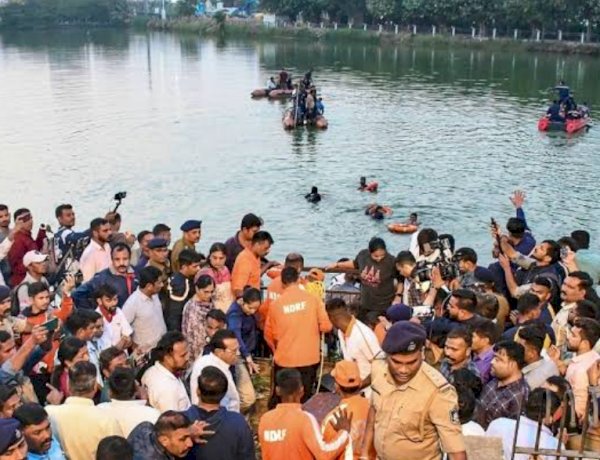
271,94
571,125
320,122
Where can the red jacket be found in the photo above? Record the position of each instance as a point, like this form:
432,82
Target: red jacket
22,244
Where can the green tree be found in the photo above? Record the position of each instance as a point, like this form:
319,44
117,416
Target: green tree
381,9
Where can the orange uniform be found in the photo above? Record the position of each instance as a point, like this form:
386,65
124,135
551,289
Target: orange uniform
288,432
358,407
294,323
274,291
62,313
246,271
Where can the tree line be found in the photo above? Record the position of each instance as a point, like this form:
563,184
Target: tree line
28,14
568,15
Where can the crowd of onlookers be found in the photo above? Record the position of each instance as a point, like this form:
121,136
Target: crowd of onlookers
118,346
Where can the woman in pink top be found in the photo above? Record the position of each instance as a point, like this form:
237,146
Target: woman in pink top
220,274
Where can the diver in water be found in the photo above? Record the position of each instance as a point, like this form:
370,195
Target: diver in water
375,211
314,196
364,187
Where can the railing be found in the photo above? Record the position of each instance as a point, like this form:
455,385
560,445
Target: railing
530,35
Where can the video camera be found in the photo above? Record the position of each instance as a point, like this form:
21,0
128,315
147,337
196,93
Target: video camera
423,312
445,263
119,197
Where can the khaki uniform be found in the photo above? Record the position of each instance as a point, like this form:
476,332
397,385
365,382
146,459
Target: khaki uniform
177,248
413,419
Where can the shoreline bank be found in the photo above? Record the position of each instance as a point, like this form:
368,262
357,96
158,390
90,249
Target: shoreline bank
246,29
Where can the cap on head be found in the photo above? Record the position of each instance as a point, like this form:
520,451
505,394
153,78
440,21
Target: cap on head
398,312
346,374
157,243
10,434
33,257
404,337
190,225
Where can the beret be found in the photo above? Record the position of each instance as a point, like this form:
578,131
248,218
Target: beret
189,225
404,337
156,243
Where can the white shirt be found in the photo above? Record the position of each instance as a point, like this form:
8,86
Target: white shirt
94,352
117,328
94,259
537,373
130,414
578,378
472,429
231,401
145,316
504,428
165,390
560,323
361,346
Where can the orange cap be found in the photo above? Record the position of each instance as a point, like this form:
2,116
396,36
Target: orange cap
346,374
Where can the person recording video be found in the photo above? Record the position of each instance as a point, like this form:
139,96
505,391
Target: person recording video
65,237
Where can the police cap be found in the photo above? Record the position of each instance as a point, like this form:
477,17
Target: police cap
156,243
404,337
189,225
10,434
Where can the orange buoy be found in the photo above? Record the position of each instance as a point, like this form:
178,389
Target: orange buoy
402,228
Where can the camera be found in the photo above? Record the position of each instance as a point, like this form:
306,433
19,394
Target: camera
444,262
120,196
423,312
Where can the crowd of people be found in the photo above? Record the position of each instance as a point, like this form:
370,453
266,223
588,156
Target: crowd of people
115,346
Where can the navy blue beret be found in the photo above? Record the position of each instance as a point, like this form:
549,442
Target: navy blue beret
10,433
404,337
190,225
156,243
398,312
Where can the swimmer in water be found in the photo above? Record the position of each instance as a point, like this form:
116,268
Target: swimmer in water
363,183
364,187
314,196
377,212
413,219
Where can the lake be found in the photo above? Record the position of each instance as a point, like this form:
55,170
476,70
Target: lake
447,133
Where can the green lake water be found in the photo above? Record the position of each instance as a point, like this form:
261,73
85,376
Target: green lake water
448,133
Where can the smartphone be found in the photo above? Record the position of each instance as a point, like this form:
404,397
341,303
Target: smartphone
51,325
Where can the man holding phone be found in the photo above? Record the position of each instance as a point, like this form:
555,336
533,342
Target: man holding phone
23,243
39,313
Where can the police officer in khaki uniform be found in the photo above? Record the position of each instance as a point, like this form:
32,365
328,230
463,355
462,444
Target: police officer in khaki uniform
414,410
192,231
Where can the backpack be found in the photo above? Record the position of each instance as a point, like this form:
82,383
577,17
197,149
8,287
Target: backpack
15,303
